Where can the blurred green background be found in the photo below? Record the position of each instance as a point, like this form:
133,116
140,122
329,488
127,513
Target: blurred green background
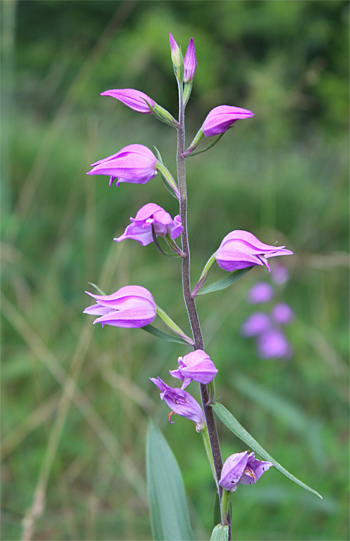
76,398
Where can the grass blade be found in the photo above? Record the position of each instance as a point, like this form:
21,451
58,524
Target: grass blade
224,282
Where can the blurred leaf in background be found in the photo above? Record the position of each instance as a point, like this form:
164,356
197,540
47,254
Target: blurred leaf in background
283,175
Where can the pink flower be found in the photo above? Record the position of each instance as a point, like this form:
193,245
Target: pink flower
181,402
260,293
134,99
195,366
256,324
273,344
242,468
282,314
221,118
241,249
133,163
190,62
151,215
130,307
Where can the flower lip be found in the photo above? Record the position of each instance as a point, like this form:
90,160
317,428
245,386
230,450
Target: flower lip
134,163
135,99
130,307
221,118
151,216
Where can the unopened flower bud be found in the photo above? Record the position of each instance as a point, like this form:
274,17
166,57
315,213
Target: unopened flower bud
190,62
175,52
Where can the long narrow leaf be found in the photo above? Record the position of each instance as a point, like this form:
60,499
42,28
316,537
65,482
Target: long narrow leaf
163,335
169,513
220,533
224,282
232,424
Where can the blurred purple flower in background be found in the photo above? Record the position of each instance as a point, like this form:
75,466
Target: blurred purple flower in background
195,366
133,163
273,344
181,403
280,274
190,62
256,324
260,293
151,215
282,314
134,99
241,249
130,306
242,468
221,118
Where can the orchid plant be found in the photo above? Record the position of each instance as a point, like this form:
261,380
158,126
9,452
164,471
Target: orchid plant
133,306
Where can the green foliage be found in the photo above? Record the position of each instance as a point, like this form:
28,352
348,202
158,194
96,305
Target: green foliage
169,514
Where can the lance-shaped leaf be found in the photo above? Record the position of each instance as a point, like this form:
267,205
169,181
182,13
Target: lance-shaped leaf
232,424
169,513
225,282
163,335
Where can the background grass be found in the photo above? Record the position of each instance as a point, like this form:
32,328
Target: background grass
76,398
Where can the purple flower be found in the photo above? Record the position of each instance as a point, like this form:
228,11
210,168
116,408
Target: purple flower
190,62
274,344
282,314
256,324
130,306
175,51
221,118
260,293
242,468
134,99
133,163
280,274
240,249
196,366
181,403
150,215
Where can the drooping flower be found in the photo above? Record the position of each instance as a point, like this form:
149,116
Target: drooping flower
136,100
133,163
260,293
151,215
221,118
175,51
130,307
282,314
190,62
195,366
181,403
274,344
256,324
242,468
241,249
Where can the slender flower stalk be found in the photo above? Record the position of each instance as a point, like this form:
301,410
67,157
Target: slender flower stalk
186,287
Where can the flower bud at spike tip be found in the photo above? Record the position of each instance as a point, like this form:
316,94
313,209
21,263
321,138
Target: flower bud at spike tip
181,403
190,62
136,100
241,249
221,118
150,215
195,366
242,468
134,163
131,307
175,52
